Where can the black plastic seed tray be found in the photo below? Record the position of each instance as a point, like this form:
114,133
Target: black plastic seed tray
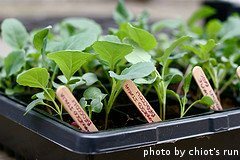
36,136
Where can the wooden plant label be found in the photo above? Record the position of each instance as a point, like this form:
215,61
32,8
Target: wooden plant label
238,71
205,87
140,101
72,106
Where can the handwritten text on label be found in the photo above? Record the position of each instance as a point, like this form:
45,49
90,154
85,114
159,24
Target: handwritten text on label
140,102
205,87
74,109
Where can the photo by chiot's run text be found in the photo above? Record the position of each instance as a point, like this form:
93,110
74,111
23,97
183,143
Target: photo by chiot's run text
191,152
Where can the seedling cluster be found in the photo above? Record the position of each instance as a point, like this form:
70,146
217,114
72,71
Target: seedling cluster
158,58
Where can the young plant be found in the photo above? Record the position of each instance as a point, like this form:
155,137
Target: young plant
217,71
122,15
15,35
164,78
23,55
39,78
40,43
91,100
113,53
216,47
68,61
183,100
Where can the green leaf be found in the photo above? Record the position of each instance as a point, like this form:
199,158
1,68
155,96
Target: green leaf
138,55
184,100
206,48
70,61
96,105
90,78
230,28
200,14
121,13
174,94
194,50
83,102
77,42
142,20
14,33
86,33
172,78
111,52
110,38
93,93
213,27
44,96
39,95
168,23
122,32
1,62
146,80
14,62
187,82
73,81
77,84
56,85
35,77
233,59
82,25
51,96
178,55
170,49
34,103
63,79
206,100
15,90
175,71
39,39
198,30
142,37
9,91
138,70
